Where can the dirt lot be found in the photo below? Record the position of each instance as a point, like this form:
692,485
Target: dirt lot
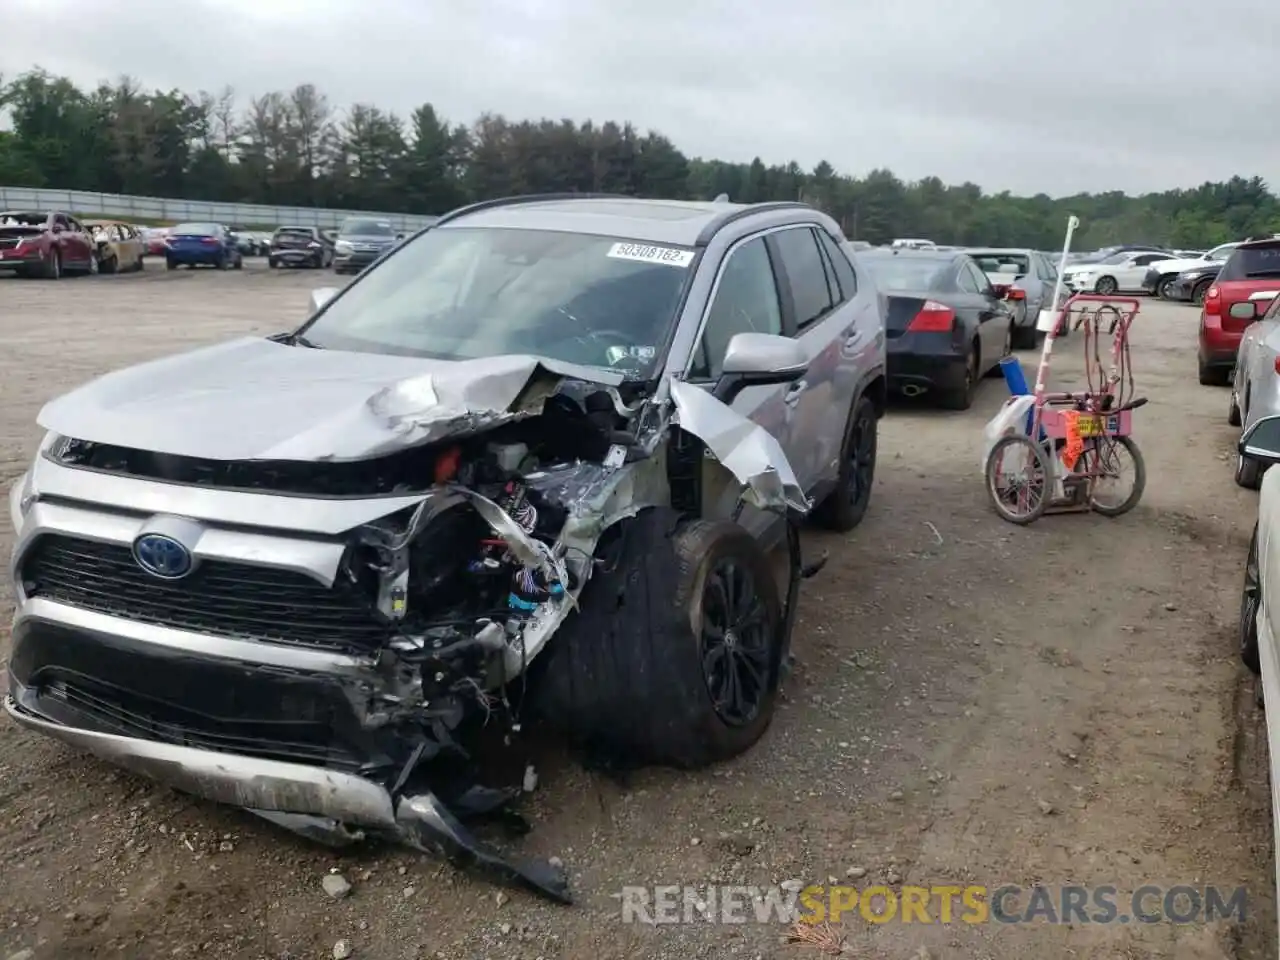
974,703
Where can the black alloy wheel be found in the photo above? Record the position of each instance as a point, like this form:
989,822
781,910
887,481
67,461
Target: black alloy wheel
734,643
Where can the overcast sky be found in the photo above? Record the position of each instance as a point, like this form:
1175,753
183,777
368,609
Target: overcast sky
1052,96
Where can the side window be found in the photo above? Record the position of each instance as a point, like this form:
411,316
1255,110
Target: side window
965,279
806,273
745,301
60,221
840,262
1149,258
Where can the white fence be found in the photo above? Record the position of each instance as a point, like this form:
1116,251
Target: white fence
176,211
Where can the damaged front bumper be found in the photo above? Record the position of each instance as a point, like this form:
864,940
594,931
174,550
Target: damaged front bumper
262,678
326,805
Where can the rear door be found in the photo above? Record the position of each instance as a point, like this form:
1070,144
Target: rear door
1130,275
825,319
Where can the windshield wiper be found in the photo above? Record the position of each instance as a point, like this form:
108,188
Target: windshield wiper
298,340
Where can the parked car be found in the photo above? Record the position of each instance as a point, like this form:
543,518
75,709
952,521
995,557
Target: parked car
946,323
910,243
249,242
45,244
1259,625
1255,385
361,241
1121,272
153,238
300,247
1192,285
1250,277
434,493
201,244
1162,275
120,248
1029,271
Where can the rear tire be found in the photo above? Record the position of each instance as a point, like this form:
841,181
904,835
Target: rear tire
273,263
1248,472
1025,338
628,678
1250,604
109,265
1213,376
961,398
846,505
1139,482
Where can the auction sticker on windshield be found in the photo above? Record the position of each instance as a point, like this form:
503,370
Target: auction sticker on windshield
645,253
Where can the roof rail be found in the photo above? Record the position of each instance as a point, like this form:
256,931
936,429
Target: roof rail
525,198
712,228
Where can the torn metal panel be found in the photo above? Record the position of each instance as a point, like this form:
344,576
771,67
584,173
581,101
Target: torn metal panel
325,405
745,449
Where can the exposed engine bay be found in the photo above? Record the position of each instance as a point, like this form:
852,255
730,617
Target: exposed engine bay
470,583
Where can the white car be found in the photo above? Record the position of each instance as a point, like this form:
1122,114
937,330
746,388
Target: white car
1259,630
1118,273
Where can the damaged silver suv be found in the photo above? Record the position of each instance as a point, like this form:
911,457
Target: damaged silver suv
528,467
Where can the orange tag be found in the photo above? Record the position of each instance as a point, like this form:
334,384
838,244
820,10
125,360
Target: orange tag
1075,443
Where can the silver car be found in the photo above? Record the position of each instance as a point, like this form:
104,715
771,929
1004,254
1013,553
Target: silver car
526,467
1255,381
1030,271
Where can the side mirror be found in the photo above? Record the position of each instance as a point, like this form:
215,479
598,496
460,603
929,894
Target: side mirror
321,296
759,359
399,236
1247,310
1261,440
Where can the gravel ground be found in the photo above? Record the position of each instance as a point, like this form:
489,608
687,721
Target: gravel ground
975,703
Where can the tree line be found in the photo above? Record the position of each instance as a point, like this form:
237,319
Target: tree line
296,149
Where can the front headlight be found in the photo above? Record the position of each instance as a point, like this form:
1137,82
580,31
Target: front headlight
21,497
342,246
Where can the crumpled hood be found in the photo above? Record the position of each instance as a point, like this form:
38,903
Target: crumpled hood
255,399
21,231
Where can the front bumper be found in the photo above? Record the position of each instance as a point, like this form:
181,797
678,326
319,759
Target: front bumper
219,696
357,260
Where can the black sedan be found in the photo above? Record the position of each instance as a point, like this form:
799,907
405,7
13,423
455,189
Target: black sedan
946,323
1193,284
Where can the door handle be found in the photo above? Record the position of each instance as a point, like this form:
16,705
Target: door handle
793,394
853,339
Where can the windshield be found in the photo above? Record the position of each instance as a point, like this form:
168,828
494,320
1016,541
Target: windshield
1222,252
905,273
1011,263
462,293
196,229
1246,263
367,228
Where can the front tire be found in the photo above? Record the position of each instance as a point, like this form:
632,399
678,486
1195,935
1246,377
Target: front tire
846,505
1139,478
1105,286
1164,287
109,265
678,613
171,264
1198,292
53,266
1233,411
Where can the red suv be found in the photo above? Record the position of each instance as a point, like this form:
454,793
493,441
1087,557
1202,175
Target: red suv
1245,287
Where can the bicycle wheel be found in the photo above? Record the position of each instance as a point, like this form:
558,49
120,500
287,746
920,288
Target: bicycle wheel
1104,459
1019,478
